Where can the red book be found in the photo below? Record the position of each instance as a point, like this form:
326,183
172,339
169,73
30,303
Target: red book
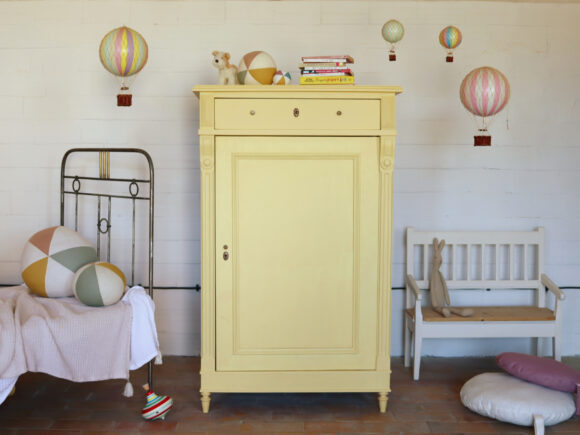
321,64
329,70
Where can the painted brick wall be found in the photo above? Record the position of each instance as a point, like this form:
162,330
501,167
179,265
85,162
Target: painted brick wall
54,95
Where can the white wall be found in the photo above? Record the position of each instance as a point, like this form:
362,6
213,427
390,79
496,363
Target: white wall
54,95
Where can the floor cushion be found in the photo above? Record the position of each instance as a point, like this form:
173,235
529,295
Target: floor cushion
542,371
512,400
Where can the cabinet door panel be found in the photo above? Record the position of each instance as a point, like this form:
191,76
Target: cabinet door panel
299,218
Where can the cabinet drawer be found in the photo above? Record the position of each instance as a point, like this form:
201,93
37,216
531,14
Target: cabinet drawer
297,114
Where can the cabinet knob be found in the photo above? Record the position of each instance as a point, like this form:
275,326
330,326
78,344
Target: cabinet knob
252,112
296,112
339,112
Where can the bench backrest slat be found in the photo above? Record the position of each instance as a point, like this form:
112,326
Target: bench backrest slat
483,261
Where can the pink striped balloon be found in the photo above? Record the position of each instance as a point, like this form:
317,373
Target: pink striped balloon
123,51
485,91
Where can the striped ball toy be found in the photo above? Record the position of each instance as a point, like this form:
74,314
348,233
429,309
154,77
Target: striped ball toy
99,284
157,406
256,68
281,78
50,259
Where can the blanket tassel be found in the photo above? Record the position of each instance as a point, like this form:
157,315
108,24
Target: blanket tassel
159,359
128,392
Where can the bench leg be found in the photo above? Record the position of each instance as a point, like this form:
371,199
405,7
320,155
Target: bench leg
557,348
407,341
417,353
537,346
538,424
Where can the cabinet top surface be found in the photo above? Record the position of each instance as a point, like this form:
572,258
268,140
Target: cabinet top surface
302,89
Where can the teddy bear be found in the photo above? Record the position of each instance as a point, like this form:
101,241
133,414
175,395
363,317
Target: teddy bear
227,72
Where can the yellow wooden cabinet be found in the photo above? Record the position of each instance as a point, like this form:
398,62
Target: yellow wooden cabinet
296,207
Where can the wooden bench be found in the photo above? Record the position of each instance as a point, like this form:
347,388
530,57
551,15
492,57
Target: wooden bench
480,260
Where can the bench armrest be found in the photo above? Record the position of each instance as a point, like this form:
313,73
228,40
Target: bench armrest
413,285
553,287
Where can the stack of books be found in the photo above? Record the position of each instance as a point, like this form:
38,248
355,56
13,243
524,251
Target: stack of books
326,70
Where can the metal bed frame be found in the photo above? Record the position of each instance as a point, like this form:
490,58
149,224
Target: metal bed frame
72,185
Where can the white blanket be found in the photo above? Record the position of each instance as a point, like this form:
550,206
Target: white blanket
69,340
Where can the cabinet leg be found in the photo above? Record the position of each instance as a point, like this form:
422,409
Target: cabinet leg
205,399
383,402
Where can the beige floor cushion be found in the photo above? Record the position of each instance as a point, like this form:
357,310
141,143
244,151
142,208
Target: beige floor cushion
513,400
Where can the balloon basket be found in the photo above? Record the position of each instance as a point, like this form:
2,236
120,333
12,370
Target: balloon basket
392,57
449,59
479,141
124,99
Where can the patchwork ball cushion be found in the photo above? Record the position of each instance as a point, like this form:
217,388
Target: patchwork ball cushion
50,259
99,284
256,68
512,400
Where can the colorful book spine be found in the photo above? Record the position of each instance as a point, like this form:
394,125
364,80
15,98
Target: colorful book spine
326,80
321,64
325,74
326,70
340,58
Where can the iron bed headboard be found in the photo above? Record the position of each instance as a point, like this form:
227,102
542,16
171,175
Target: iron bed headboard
73,185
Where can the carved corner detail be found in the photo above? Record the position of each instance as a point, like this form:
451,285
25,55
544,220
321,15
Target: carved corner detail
387,153
206,153
386,163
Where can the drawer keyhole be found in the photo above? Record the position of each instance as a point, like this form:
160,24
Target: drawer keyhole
296,112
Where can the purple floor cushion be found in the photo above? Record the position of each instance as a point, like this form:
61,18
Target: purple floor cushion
542,371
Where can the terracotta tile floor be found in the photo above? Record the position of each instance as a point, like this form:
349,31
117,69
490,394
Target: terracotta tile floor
43,404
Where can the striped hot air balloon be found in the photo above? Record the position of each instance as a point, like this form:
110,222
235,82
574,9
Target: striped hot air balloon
393,31
450,38
123,52
484,92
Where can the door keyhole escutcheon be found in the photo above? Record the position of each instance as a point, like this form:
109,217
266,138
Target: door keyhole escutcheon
296,112
226,254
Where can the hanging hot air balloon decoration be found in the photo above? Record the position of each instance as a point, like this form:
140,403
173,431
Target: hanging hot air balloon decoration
450,38
393,31
484,92
123,53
